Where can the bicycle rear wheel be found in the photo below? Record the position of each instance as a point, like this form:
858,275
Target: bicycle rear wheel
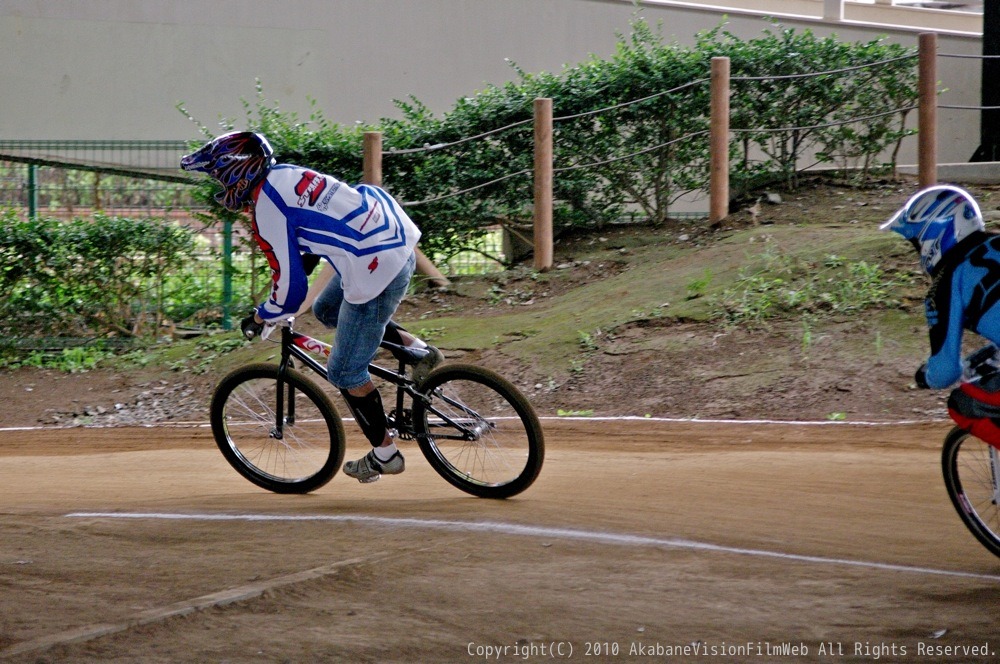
972,477
478,431
295,450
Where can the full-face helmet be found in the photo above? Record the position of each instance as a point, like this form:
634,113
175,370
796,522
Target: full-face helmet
936,219
238,160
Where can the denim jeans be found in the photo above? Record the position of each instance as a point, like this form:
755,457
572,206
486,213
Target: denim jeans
359,326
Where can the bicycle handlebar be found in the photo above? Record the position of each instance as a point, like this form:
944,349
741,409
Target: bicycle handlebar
251,329
981,362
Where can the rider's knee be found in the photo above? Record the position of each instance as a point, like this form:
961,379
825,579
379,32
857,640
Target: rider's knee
325,313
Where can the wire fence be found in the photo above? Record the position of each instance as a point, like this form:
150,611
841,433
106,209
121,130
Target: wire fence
77,178
858,119
603,161
68,179
141,177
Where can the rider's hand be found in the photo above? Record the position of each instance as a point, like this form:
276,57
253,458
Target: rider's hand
251,327
921,377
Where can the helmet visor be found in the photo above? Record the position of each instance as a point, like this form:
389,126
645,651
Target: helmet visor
900,223
199,161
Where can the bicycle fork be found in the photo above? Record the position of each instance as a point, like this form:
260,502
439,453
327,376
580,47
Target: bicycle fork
281,415
995,473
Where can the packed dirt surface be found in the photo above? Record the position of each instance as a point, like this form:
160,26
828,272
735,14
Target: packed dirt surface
689,508
640,541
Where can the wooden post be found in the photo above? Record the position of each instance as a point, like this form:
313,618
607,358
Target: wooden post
434,276
372,174
543,184
372,159
719,143
927,109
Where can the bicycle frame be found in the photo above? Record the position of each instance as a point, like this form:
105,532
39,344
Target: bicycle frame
304,348
280,428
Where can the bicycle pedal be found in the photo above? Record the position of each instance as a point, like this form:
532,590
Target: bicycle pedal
369,480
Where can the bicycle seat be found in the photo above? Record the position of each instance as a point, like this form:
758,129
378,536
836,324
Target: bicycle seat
405,354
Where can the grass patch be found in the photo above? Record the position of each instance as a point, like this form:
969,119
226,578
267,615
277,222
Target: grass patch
805,273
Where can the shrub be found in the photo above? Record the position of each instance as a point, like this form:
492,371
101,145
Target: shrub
629,133
87,277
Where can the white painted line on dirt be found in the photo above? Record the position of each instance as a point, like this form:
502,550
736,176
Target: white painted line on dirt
158,425
697,420
539,531
569,418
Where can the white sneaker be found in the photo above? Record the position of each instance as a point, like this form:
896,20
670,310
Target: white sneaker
369,467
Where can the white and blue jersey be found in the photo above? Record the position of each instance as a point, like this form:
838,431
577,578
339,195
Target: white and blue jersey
361,230
965,295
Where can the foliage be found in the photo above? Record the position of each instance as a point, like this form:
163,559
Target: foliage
852,112
629,139
79,359
206,351
780,286
629,133
87,277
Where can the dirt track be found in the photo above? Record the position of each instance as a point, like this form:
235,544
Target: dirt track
639,539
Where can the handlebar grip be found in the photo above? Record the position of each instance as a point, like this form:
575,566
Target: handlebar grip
250,327
982,355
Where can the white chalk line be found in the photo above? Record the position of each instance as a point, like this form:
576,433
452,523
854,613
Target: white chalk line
698,420
551,533
568,418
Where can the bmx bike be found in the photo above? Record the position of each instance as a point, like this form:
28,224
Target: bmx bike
281,431
971,466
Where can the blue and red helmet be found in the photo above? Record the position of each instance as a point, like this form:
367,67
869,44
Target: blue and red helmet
238,160
936,219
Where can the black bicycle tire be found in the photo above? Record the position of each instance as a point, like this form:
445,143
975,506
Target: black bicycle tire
441,376
247,469
953,484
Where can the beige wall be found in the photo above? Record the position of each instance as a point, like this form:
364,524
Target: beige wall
115,69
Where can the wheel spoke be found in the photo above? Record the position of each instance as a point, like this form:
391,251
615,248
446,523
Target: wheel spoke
972,477
307,452
480,433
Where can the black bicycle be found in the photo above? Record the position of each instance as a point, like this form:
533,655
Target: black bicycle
971,466
282,432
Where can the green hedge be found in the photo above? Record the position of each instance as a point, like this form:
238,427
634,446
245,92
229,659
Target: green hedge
672,80
105,276
614,155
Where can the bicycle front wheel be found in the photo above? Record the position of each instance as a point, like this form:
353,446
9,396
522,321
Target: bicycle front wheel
972,477
478,431
287,441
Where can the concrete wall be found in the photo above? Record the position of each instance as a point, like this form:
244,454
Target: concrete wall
115,69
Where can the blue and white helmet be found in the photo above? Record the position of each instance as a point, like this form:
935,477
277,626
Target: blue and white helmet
935,220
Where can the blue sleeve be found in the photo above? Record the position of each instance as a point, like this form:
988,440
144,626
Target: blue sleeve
965,297
945,312
285,300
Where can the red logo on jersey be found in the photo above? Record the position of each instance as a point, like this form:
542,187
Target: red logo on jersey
309,188
373,265
272,259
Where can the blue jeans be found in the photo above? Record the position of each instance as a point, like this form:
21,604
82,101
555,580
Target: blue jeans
359,326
